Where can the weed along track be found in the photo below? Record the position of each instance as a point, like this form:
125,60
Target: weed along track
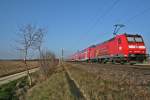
110,82
74,87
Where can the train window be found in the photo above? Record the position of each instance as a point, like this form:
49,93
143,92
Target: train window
138,39
119,41
131,39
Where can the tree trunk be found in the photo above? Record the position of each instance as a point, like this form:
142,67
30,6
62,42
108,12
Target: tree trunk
27,69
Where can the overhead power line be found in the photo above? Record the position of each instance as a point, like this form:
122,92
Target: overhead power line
103,15
137,15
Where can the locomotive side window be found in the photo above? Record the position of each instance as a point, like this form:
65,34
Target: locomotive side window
130,39
138,39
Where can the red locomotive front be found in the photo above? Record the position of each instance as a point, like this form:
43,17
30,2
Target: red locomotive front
122,48
136,48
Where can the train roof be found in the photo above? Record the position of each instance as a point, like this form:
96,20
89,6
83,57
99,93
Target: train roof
105,41
137,35
91,46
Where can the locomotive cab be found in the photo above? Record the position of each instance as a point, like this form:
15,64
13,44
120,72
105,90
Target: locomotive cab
136,48
130,48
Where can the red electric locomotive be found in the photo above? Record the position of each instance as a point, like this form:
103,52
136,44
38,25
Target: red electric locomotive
121,48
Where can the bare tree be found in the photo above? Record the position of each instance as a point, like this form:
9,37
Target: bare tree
37,45
28,35
38,40
32,39
46,59
47,63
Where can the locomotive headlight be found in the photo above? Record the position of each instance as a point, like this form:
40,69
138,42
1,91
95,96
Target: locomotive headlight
120,48
131,46
132,55
125,55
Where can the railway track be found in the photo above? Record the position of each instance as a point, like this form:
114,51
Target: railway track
145,70
138,68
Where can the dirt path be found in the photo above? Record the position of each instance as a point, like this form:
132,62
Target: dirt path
13,77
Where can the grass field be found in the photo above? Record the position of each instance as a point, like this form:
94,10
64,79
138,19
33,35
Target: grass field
82,82
55,88
106,85
11,67
8,91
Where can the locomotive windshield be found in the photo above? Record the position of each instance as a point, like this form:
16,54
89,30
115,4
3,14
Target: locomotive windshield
138,39
131,39
134,39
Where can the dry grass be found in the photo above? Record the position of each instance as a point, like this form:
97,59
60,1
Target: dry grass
109,84
11,67
54,88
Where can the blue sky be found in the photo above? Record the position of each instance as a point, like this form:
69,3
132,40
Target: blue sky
72,24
